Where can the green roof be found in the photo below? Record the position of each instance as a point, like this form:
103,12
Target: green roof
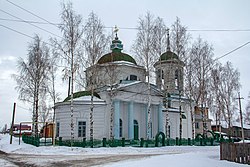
116,55
169,56
80,94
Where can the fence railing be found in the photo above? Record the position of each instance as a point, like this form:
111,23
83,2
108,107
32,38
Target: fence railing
36,141
235,152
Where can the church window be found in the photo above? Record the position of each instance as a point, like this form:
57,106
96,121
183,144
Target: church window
57,129
176,79
169,100
151,129
120,124
197,125
136,130
133,77
81,129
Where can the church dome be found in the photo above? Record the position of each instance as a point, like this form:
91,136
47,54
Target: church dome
168,56
116,54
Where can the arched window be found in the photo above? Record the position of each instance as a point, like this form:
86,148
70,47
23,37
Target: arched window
120,126
176,79
136,130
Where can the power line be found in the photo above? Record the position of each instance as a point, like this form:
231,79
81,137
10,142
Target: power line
16,31
241,46
30,12
23,108
23,34
29,23
61,37
220,30
132,28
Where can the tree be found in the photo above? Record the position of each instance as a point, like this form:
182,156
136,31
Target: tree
179,39
32,78
198,71
69,47
94,44
146,46
51,84
229,91
216,102
44,110
179,45
4,129
247,113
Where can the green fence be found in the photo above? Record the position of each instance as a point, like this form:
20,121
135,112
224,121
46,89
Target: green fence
36,141
158,142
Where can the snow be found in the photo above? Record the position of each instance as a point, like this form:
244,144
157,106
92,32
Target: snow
178,156
88,98
224,124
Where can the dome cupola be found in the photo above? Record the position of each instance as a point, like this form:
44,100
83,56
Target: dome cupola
116,53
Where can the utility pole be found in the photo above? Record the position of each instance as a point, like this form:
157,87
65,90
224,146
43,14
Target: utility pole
12,123
242,129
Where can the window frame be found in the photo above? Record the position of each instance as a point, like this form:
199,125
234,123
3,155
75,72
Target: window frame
81,129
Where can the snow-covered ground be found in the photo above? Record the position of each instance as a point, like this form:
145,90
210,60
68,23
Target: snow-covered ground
177,156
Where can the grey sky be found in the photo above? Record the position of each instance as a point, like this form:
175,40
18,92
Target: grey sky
195,14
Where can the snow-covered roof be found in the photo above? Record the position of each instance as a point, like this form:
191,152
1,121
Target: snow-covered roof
125,84
173,110
88,98
235,124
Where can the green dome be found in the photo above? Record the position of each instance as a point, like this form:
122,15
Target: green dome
80,94
168,56
116,55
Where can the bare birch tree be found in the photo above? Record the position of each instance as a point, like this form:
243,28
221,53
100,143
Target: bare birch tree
247,112
69,47
146,47
198,71
179,39
94,44
32,78
230,86
179,45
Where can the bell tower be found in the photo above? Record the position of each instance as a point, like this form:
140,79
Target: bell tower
169,71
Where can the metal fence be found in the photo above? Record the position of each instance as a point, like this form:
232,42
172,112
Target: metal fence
36,141
158,142
235,152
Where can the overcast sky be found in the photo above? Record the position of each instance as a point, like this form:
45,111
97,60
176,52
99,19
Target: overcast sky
195,14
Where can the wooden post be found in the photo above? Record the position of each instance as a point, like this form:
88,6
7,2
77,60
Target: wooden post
20,126
45,133
241,121
12,123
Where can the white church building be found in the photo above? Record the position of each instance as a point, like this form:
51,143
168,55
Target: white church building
122,97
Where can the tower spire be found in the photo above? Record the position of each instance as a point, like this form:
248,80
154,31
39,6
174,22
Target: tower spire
116,30
168,42
116,43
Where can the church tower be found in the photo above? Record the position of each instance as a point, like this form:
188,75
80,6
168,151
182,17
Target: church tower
169,72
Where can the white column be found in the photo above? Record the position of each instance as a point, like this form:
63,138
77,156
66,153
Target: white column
160,118
117,117
131,120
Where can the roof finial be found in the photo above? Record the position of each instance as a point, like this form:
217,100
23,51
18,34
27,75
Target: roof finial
168,43
116,30
116,43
